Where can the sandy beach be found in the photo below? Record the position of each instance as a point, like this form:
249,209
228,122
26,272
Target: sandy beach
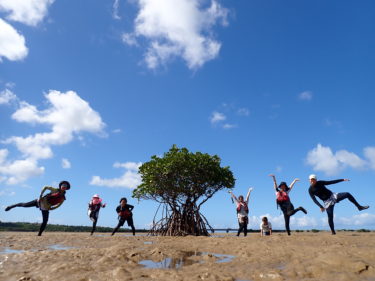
79,256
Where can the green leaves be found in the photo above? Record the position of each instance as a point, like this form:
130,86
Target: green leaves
181,177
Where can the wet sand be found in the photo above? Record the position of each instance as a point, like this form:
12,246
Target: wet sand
79,256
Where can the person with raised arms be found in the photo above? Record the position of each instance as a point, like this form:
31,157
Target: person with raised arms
329,198
46,203
283,200
242,211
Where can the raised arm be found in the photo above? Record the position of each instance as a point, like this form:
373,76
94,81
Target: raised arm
274,182
293,183
233,196
248,194
334,181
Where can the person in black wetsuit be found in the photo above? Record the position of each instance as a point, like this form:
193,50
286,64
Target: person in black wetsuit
283,200
124,212
47,202
319,189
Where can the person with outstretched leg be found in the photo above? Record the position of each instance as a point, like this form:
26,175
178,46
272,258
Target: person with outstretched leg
329,198
46,203
283,200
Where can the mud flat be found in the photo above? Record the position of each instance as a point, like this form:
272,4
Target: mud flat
79,256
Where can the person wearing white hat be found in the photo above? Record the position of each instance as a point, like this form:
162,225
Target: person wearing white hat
93,211
329,198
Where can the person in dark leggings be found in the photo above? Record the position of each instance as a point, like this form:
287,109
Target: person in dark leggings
94,207
124,212
242,211
319,189
283,200
47,202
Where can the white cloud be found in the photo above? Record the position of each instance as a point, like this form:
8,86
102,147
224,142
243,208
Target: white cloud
363,219
115,13
12,43
117,131
370,155
67,114
307,96
324,160
65,164
7,192
228,126
217,117
179,28
278,222
29,12
129,39
243,112
7,96
130,179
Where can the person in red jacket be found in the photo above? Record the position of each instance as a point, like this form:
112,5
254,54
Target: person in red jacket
283,200
47,202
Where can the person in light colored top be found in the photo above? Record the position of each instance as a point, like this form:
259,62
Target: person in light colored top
265,227
242,211
46,203
93,211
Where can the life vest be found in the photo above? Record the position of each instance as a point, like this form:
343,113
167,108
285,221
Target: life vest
282,196
125,214
244,204
55,198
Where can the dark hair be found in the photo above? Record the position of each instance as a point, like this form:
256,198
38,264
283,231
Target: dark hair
64,183
281,184
123,198
265,219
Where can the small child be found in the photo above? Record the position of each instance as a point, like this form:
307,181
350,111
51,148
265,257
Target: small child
265,227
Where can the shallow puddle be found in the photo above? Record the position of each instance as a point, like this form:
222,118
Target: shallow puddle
148,242
58,247
183,260
10,251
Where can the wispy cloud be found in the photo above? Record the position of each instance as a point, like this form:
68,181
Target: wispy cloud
217,117
305,96
115,12
7,96
177,28
130,179
323,159
67,115
65,163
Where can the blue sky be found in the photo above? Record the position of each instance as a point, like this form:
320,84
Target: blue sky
89,90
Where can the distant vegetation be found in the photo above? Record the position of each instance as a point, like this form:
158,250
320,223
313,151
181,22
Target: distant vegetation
25,226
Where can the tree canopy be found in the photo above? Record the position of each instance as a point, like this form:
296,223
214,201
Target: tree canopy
183,181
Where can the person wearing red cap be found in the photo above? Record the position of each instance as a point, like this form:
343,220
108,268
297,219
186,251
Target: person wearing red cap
94,207
47,202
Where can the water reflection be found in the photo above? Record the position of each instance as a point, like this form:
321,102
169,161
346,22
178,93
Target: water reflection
10,251
184,260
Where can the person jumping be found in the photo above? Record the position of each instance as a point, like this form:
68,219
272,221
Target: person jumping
124,212
94,207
